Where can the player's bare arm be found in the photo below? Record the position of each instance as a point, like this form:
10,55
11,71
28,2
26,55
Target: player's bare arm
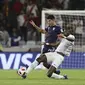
38,28
61,36
55,44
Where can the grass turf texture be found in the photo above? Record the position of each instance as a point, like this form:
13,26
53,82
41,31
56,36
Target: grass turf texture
38,77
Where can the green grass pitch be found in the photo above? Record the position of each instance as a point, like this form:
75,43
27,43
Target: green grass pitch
38,77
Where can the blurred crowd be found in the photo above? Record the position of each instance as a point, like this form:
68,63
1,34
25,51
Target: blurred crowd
16,14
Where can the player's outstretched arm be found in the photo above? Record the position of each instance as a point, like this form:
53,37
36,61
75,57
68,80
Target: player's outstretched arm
61,36
54,44
38,28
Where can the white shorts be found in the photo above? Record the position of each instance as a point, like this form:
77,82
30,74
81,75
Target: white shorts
55,58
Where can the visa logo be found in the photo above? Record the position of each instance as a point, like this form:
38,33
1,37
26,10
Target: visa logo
15,60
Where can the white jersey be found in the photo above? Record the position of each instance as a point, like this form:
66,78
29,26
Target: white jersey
65,46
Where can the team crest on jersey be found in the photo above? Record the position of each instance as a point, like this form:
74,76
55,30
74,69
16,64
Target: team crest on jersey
53,28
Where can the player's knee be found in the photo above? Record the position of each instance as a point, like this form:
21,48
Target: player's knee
41,58
46,65
51,71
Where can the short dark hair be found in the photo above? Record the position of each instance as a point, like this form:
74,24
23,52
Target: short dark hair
50,17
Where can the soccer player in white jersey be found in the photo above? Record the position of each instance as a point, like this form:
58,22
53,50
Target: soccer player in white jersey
56,58
64,49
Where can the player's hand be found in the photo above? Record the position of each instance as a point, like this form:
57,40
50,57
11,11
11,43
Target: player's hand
32,23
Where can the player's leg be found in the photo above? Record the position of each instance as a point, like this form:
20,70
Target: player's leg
51,74
40,59
43,59
47,65
29,69
56,61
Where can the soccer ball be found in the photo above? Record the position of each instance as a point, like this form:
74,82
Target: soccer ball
21,71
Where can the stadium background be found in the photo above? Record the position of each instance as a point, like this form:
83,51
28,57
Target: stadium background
18,37
20,44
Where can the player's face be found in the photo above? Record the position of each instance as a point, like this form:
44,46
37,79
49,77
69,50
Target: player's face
50,22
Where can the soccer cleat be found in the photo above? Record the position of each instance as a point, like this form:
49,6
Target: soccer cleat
58,72
24,75
65,77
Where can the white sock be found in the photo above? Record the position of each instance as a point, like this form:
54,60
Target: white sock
56,76
31,67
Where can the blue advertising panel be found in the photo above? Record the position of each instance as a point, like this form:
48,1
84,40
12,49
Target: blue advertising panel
13,60
75,61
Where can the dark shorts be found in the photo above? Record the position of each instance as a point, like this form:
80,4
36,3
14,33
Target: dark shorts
48,48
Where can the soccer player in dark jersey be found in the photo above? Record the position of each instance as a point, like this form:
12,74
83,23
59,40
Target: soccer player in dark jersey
52,32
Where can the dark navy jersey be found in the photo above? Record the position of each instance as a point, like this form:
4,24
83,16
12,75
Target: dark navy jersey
52,31
51,37
48,48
